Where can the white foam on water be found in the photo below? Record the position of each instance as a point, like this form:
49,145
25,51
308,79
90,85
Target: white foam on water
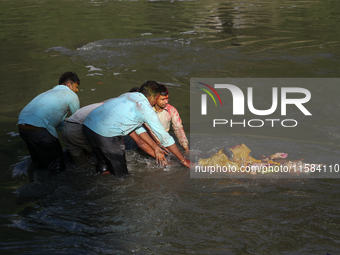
92,68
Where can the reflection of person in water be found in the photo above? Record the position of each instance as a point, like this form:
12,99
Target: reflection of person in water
105,126
39,119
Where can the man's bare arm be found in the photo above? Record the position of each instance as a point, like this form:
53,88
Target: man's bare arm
141,144
174,149
145,142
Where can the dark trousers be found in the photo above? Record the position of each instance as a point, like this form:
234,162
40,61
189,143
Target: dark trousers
45,149
109,151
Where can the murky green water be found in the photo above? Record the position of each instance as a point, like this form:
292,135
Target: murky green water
116,45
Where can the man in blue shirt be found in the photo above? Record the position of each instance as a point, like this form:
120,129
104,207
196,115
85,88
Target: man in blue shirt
39,119
106,125
77,145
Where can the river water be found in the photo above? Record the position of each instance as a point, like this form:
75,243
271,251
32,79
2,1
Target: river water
116,45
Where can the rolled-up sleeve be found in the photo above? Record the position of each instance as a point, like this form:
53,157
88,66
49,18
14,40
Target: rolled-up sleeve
140,130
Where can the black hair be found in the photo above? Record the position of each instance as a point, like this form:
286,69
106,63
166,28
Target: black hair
134,89
163,91
68,76
149,88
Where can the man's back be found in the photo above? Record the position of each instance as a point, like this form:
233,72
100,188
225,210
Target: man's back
122,115
80,115
118,116
50,108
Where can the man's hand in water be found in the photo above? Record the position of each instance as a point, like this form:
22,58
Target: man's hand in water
160,157
186,162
